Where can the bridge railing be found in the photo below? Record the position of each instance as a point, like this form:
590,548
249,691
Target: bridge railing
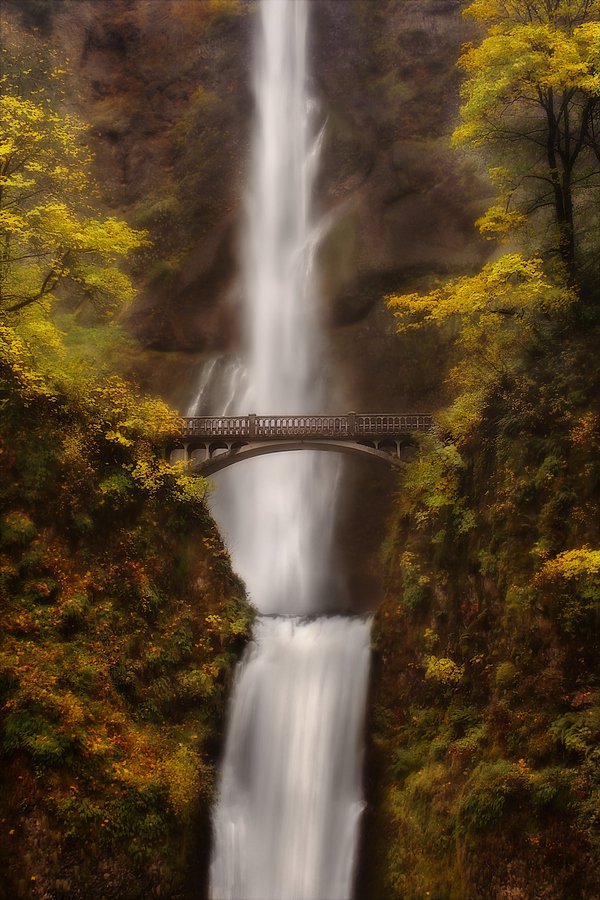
217,426
351,425
382,424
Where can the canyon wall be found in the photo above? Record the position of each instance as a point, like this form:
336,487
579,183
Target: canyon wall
164,85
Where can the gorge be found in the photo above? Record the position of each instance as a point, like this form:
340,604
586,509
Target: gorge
362,683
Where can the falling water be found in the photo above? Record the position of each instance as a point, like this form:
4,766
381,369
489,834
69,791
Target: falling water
286,820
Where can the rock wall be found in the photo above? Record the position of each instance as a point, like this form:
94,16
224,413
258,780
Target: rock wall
165,86
404,203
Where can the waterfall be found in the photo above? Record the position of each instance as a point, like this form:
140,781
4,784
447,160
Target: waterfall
286,818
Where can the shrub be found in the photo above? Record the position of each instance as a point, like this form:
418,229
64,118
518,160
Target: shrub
552,788
33,732
72,614
443,671
182,771
17,528
570,586
577,731
506,675
489,794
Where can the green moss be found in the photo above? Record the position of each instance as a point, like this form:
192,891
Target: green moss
506,676
490,776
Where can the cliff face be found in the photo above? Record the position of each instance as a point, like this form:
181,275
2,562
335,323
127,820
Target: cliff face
485,711
165,85
403,204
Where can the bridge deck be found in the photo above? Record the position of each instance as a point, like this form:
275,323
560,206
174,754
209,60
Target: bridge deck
349,427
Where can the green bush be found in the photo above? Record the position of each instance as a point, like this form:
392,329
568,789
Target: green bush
491,792
72,615
506,676
45,741
577,731
552,788
17,528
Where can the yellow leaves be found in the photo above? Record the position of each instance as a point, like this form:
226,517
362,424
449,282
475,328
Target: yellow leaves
16,182
484,10
573,61
513,63
500,221
513,285
570,565
530,92
182,773
7,146
561,13
443,671
117,437
12,222
35,328
189,489
45,189
214,623
586,432
569,588
16,362
109,238
149,473
412,310
107,287
494,315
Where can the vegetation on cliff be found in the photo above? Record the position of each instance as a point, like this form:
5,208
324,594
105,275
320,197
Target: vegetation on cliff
487,687
119,613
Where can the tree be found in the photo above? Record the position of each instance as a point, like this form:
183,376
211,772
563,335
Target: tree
497,315
532,96
50,235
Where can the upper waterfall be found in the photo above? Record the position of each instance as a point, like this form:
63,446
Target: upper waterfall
278,264
278,513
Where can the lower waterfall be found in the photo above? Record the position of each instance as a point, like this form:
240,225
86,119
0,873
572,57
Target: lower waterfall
290,796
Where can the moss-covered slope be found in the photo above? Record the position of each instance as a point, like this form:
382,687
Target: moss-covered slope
121,620
485,765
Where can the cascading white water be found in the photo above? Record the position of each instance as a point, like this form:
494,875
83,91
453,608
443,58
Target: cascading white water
290,793
286,819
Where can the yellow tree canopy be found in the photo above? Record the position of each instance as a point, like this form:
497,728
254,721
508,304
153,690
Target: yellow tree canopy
532,96
50,233
496,315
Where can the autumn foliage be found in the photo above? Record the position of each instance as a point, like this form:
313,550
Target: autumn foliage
120,617
487,715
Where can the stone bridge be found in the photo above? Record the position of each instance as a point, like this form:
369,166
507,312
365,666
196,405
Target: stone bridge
211,443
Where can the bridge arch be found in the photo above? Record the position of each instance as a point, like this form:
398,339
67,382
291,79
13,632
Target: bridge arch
239,452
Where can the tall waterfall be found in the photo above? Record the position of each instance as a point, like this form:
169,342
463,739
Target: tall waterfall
286,819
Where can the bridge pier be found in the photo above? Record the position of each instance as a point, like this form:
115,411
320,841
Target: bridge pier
188,452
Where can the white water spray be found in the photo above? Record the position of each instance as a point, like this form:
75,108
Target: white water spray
286,820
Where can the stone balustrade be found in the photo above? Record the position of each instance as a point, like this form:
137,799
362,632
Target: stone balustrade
349,426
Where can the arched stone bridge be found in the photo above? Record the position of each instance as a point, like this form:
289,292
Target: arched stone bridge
211,443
